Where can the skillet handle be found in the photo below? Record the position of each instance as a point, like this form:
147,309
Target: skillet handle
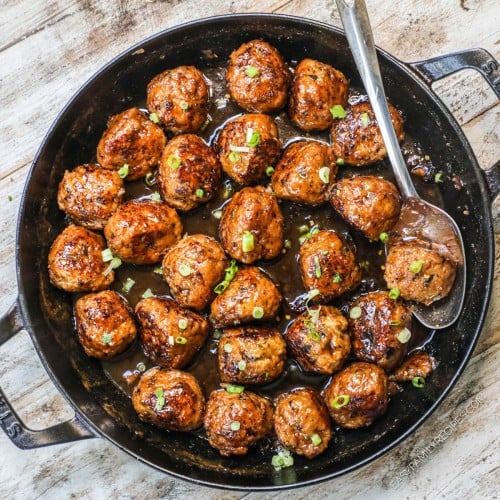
479,59
12,425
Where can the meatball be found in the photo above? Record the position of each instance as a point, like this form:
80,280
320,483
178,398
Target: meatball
90,194
192,268
356,138
141,231
131,139
251,355
104,323
76,263
301,422
179,98
189,172
257,77
234,422
247,146
328,265
251,225
250,296
170,334
420,274
417,364
369,204
305,172
376,322
319,339
357,395
169,399
316,88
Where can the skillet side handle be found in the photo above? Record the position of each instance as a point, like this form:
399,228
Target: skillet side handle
479,59
492,176
12,425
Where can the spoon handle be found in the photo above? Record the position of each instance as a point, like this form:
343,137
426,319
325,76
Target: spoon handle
360,37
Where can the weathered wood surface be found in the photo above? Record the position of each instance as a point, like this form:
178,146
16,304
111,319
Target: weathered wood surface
48,48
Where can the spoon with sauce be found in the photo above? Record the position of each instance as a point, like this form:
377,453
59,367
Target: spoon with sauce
419,221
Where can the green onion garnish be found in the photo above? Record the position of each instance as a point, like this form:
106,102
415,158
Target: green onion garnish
383,237
394,293
257,312
127,286
340,161
200,193
180,340
287,244
324,174
337,278
140,367
394,322
252,138
106,338
160,399
338,111
365,120
217,214
185,270
316,439
404,335
235,425
438,178
123,171
247,241
317,267
107,255
234,156
340,401
314,334
156,196
217,334
182,323
269,171
418,382
355,312
174,162
416,266
234,389
228,347
282,459
184,105
242,365
251,71
147,294
158,270
150,179
154,117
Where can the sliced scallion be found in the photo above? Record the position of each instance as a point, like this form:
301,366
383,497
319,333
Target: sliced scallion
185,270
324,174
247,241
174,162
251,71
127,286
418,382
404,336
394,293
258,312
154,117
355,312
340,401
338,111
180,340
316,439
416,266
234,389
200,193
106,338
123,171
235,425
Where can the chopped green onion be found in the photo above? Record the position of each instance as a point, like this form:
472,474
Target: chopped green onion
115,263
324,174
338,111
235,425
438,178
158,270
228,347
217,214
127,286
252,71
239,149
404,335
106,338
394,293
394,322
282,459
185,270
247,241
184,105
269,171
257,312
160,399
123,171
304,229
418,382
221,287
365,120
340,401
317,267
311,294
252,138
340,161
182,323
316,439
147,294
156,196
228,189
337,278
287,244
217,334
174,162
107,255
140,367
180,340
355,312
314,313
200,193
383,237
416,266
242,365
234,156
234,389
231,270
314,334
154,117
150,179
206,123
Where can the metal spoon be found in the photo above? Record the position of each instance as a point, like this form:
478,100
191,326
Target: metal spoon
419,219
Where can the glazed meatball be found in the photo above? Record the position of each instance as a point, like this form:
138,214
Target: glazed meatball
247,145
192,268
131,139
90,194
257,77
369,204
356,138
179,98
316,88
357,395
250,296
234,422
189,172
305,172
319,339
301,422
328,265
104,323
76,263
251,225
420,274
170,334
376,322
169,399
251,355
141,231
417,364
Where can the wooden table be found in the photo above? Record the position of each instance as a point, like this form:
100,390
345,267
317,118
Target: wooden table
48,49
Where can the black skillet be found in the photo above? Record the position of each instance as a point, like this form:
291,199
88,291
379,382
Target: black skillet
101,408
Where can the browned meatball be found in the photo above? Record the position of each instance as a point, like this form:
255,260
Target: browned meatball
357,139
302,423
141,231
170,334
179,97
357,395
250,296
319,339
369,204
131,139
251,226
316,88
104,324
247,145
305,172
376,323
417,364
234,422
89,194
420,274
192,268
75,261
257,77
169,399
251,355
328,265
189,172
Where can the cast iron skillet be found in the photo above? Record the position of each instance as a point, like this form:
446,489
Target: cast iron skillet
101,409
